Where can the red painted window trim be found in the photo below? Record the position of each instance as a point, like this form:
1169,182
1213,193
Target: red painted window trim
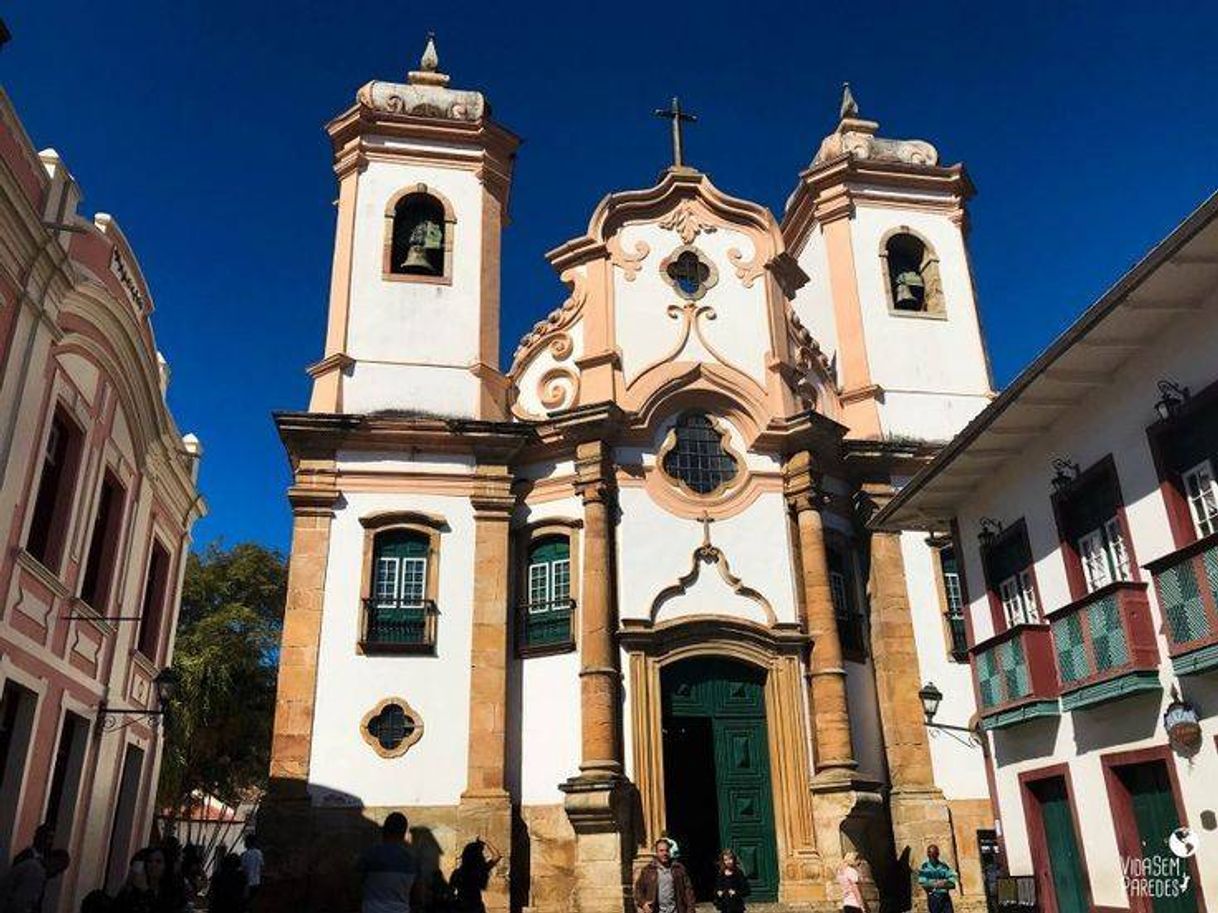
997,615
1171,486
1075,576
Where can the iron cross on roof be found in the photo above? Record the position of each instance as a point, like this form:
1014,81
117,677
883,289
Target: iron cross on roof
677,116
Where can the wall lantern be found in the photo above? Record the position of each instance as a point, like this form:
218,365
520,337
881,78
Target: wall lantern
1171,398
165,684
990,528
1064,473
1183,725
931,697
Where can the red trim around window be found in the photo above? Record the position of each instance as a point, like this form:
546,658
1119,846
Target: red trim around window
1075,576
1171,486
1045,894
1128,841
1016,530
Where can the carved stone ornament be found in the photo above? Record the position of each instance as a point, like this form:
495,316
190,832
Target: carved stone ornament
856,136
687,222
391,728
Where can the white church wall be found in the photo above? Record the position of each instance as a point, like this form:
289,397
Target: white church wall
813,303
955,759
647,334
550,696
912,355
656,549
397,326
344,769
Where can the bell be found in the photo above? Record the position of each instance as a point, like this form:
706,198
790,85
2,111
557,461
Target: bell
426,237
909,289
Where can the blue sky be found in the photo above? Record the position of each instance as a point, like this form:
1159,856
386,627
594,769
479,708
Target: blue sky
1090,130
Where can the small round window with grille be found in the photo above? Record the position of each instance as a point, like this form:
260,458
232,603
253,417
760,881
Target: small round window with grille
695,455
391,727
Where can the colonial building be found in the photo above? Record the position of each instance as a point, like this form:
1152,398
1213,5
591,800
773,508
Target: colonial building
97,496
1084,509
625,589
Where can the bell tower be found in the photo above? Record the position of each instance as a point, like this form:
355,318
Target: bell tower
423,179
880,227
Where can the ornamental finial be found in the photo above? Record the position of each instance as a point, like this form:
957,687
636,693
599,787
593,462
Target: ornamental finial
850,107
430,61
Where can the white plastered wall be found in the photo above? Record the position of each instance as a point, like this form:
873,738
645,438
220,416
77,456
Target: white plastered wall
344,769
646,333
413,342
933,370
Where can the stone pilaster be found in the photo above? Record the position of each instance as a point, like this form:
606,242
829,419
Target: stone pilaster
826,674
485,803
597,800
920,814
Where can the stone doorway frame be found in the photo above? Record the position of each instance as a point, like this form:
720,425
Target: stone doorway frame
778,651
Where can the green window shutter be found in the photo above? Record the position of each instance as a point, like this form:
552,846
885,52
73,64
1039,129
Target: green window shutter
547,614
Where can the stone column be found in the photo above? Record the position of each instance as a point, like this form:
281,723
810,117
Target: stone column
285,821
597,800
919,811
826,675
486,808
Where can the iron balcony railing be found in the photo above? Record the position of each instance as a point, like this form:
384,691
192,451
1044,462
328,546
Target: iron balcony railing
546,625
398,625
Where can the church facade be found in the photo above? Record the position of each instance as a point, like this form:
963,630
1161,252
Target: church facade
626,589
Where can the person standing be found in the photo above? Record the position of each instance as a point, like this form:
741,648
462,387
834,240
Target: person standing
389,869
22,888
938,880
731,884
848,877
663,886
251,863
40,848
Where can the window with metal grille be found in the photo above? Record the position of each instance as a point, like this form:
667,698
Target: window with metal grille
698,457
391,726
398,610
845,606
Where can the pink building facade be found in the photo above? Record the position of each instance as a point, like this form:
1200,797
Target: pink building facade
98,495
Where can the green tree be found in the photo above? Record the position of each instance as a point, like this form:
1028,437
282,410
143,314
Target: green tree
218,732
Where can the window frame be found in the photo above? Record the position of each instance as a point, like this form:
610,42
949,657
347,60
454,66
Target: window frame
956,652
407,743
1199,523
1197,409
429,527
450,228
59,523
670,444
150,593
527,539
1100,476
113,547
1017,532
854,645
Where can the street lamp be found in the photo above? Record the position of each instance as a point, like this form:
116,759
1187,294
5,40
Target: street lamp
164,684
1064,473
990,528
931,697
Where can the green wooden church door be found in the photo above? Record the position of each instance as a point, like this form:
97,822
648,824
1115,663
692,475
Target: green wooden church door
730,696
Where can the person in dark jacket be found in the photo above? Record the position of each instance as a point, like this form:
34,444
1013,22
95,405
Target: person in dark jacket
663,886
731,884
226,894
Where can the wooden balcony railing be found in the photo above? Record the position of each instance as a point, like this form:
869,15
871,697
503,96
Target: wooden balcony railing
1016,678
1186,583
1105,645
399,626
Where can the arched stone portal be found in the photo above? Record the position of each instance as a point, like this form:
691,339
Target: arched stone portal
765,660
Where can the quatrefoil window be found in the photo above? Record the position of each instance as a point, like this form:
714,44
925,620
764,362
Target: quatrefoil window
689,272
391,727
